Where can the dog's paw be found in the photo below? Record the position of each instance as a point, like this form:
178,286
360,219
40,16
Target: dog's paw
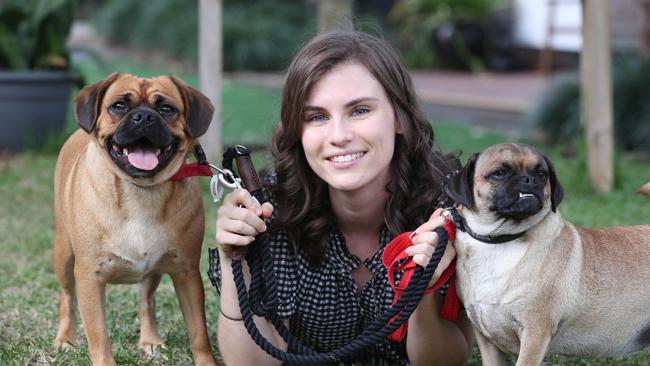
64,344
149,347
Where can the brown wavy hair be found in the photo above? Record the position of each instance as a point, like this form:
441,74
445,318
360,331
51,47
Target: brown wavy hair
417,168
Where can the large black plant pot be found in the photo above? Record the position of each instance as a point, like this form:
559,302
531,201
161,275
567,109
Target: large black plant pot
33,105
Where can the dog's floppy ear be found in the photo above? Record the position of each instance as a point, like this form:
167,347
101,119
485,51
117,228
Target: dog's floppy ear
460,187
198,108
557,192
89,100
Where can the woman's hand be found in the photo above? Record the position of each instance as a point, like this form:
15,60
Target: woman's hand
424,244
239,219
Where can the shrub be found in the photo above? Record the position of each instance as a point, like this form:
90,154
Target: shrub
557,114
447,33
33,34
257,35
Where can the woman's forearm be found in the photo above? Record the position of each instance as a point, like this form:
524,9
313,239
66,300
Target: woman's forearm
235,345
432,340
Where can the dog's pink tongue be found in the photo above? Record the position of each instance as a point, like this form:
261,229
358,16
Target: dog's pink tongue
143,159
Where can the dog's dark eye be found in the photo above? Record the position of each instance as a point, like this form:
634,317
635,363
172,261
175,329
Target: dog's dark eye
542,174
119,106
166,109
499,174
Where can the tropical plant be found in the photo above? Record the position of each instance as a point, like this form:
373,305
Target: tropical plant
33,34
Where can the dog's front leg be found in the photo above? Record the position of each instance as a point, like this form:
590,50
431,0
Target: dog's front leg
91,295
491,355
149,336
189,290
63,265
534,341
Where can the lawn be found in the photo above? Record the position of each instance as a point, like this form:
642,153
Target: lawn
29,291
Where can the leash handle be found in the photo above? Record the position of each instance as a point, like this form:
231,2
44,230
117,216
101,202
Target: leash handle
246,170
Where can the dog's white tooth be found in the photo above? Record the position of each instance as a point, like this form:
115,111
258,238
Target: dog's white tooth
125,151
157,152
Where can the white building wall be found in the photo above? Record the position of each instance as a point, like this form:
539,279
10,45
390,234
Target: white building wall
531,24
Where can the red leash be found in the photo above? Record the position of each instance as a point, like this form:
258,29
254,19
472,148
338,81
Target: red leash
394,255
192,170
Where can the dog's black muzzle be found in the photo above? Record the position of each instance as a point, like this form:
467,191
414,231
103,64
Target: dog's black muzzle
142,144
520,198
143,122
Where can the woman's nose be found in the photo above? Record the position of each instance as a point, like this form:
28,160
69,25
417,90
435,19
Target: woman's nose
340,131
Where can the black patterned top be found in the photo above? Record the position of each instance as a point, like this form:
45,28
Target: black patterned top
323,305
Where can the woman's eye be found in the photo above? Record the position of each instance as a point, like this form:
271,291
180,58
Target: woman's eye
166,109
360,111
119,106
319,117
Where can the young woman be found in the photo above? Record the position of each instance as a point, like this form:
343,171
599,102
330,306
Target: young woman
354,167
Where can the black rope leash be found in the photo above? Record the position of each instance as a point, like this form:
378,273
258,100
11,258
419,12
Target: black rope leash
261,297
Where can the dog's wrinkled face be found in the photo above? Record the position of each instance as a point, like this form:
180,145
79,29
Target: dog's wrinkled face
507,183
146,126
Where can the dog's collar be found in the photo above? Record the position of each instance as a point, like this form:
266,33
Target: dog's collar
201,168
461,224
192,170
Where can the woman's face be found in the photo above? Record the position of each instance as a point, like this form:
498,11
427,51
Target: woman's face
349,129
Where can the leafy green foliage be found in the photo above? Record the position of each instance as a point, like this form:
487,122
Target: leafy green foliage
264,35
417,20
557,115
33,33
257,35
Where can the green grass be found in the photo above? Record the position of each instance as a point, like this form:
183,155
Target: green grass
29,291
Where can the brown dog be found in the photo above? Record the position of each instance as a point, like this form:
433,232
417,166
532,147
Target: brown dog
533,282
118,217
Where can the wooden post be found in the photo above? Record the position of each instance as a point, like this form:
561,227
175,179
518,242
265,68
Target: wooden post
210,72
333,14
596,84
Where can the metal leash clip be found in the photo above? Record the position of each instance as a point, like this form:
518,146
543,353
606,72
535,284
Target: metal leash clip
222,179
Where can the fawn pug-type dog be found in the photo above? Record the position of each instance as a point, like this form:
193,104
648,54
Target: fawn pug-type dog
533,283
119,219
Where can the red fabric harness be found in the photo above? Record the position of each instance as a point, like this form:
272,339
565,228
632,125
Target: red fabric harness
393,256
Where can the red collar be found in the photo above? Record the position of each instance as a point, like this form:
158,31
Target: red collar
192,170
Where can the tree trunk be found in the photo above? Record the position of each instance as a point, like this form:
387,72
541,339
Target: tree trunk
210,72
334,14
596,80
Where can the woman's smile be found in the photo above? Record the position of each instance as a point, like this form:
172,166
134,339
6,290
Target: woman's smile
345,160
